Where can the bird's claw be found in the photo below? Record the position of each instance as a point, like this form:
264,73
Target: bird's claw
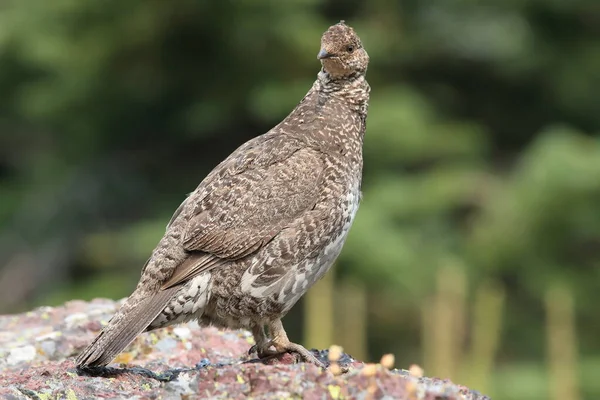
253,349
262,350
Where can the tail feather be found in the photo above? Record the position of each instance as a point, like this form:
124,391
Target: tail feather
129,322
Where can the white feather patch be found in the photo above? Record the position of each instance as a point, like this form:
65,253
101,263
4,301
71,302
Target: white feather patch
200,290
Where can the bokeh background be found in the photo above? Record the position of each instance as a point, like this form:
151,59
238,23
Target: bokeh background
476,251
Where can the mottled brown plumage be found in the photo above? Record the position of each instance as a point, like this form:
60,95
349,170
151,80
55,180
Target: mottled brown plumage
265,224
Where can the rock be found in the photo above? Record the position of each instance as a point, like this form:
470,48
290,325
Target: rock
37,350
20,354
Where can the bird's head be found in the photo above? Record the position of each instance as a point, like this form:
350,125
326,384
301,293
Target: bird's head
342,53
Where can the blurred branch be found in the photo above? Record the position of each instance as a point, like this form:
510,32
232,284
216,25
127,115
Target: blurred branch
445,323
562,344
319,313
486,330
351,316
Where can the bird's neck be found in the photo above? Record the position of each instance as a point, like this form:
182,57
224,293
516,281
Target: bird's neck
353,89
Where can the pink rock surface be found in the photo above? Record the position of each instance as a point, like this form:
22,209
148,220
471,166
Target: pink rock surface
37,352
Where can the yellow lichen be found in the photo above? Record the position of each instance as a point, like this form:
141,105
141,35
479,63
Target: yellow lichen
124,358
71,395
334,391
153,338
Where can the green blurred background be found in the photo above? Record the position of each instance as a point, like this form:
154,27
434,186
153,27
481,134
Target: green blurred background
476,251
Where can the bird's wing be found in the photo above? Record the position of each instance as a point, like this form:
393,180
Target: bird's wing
246,201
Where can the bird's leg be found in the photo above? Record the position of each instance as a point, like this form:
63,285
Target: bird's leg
262,342
283,345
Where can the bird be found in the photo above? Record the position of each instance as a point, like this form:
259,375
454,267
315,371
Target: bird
264,225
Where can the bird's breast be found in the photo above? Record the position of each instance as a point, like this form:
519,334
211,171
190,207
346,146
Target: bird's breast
349,207
330,252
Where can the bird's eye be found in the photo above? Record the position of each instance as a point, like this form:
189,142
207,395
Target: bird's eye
350,49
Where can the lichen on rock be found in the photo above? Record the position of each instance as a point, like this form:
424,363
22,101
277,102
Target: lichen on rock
37,350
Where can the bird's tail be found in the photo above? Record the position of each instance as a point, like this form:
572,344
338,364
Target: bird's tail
132,318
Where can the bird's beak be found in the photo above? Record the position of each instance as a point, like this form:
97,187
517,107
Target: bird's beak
323,54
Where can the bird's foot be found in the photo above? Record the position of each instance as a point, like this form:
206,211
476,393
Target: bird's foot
275,350
279,345
301,353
